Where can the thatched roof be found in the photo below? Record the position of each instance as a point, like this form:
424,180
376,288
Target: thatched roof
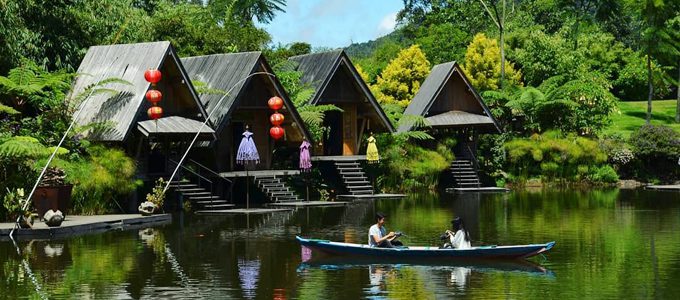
127,62
433,93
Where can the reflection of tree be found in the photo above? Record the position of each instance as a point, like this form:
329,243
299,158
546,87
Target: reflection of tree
407,284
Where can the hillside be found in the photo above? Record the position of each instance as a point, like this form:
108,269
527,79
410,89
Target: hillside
632,116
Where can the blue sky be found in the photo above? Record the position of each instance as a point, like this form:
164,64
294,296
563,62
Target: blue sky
333,23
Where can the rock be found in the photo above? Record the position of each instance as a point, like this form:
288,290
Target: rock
147,208
53,218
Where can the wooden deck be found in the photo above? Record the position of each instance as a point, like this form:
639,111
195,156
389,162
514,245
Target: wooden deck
254,173
308,204
79,225
371,197
673,187
338,157
242,211
488,189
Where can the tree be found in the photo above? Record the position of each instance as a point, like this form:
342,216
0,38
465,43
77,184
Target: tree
246,10
499,19
400,80
482,67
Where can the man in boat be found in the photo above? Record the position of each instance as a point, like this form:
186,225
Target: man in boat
378,236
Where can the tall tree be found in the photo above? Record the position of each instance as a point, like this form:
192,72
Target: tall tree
245,10
400,80
481,65
497,14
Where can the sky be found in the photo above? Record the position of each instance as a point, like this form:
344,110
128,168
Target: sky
333,23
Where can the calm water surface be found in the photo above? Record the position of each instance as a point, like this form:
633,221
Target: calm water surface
611,244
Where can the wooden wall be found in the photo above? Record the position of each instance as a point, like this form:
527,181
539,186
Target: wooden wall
455,96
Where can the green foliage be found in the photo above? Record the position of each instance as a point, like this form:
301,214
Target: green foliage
409,167
400,80
443,42
13,203
28,84
102,177
657,150
553,156
483,67
157,195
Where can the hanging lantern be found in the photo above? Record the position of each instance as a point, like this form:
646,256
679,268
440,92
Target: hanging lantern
276,132
155,112
276,119
154,96
152,76
275,103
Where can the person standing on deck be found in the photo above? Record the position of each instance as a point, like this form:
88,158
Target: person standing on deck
460,238
377,236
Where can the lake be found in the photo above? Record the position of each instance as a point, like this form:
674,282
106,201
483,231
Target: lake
610,244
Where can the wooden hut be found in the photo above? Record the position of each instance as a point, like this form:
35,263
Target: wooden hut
248,87
122,117
452,107
336,81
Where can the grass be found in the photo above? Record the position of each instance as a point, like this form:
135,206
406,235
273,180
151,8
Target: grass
633,114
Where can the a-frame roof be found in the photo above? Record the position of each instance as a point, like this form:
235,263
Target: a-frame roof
319,68
231,73
431,90
127,62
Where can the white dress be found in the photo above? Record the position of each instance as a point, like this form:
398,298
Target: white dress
458,240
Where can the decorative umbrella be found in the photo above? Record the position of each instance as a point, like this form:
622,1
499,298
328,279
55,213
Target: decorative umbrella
247,156
372,155
305,161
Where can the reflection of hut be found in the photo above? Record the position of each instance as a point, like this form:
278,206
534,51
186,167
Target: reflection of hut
122,117
246,104
336,81
452,107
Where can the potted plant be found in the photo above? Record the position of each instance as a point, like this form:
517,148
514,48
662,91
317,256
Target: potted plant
13,203
53,192
154,200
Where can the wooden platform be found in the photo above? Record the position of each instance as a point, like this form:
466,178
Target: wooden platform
673,187
259,173
338,158
371,197
242,211
79,225
307,204
488,189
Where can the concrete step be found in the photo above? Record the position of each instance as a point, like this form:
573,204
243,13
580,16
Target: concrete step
218,206
358,187
355,178
346,163
354,183
194,194
362,192
199,198
353,174
214,202
189,190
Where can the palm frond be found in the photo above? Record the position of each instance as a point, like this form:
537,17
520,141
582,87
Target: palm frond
8,110
414,135
414,121
202,88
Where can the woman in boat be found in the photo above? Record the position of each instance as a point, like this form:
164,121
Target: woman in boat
459,237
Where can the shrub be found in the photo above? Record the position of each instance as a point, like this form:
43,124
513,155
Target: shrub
657,150
553,156
605,174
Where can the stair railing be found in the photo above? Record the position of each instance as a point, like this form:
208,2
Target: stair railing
213,174
475,164
199,177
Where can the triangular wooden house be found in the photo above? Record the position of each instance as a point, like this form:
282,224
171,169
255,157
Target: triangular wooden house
336,81
242,77
452,107
123,116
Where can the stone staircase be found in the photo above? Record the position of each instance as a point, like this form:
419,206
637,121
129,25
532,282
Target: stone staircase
276,189
201,198
354,178
464,173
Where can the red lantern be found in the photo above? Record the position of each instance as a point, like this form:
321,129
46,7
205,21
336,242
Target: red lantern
276,119
275,103
154,96
153,76
276,132
155,112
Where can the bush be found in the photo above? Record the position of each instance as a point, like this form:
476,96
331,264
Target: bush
605,174
553,156
657,150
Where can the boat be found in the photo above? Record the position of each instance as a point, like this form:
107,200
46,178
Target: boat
327,247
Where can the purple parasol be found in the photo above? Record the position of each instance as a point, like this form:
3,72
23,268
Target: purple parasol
247,156
305,159
247,152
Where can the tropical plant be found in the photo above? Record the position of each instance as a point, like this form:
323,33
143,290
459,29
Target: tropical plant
28,84
401,79
657,150
13,203
157,195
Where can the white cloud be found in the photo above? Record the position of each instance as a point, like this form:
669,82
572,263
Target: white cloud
387,24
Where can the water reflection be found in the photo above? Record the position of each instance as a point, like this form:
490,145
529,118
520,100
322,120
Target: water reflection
611,244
